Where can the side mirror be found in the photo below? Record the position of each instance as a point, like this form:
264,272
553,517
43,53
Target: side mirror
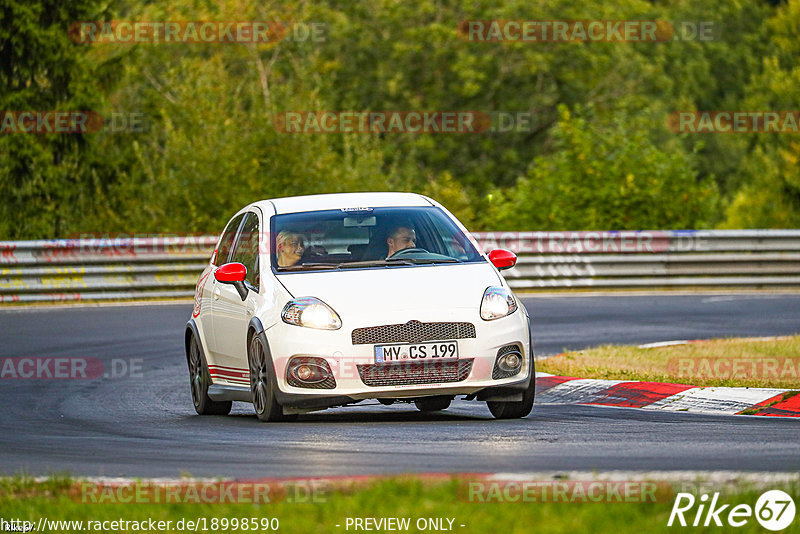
233,273
502,259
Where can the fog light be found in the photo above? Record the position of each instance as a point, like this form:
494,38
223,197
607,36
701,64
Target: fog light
310,372
304,372
510,362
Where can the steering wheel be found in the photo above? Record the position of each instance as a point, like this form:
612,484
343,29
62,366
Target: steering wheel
405,251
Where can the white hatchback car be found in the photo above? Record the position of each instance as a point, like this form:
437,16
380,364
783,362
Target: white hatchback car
327,300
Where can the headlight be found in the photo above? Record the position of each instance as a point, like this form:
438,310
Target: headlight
497,302
312,313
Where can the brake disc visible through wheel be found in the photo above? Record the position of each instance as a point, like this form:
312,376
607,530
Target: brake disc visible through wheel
262,385
200,380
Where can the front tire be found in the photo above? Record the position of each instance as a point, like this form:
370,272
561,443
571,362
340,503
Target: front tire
199,380
516,409
262,384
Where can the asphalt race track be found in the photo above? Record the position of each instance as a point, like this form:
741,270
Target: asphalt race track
144,425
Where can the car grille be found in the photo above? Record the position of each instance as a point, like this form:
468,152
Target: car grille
412,332
328,383
399,374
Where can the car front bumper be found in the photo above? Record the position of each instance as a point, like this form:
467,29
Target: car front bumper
348,360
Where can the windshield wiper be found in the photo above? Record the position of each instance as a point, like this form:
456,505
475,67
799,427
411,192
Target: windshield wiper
347,265
374,263
421,261
309,266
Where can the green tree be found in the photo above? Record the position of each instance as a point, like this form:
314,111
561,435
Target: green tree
41,175
605,173
769,196
211,145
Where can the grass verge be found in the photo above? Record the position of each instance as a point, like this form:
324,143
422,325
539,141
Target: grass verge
414,498
739,362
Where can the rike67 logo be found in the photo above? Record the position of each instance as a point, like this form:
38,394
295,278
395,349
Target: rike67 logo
774,510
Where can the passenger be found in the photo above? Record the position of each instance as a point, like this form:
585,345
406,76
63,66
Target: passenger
290,247
401,237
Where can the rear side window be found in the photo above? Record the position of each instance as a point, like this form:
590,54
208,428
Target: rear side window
225,244
246,251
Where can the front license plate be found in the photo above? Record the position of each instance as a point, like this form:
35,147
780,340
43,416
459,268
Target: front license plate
435,350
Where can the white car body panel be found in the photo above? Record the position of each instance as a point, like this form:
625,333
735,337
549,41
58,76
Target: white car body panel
362,298
337,201
353,292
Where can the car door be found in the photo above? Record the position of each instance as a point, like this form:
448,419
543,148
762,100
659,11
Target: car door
231,314
220,257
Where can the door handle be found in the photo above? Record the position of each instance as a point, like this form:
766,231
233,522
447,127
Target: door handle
217,293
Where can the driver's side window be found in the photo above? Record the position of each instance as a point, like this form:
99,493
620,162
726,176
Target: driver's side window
246,251
226,242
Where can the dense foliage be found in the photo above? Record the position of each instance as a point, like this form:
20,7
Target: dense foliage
596,154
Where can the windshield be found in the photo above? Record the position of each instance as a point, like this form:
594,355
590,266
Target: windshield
368,237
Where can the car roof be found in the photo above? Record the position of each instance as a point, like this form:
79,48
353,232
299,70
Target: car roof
341,200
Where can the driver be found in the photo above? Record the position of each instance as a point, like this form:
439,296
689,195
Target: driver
290,246
401,237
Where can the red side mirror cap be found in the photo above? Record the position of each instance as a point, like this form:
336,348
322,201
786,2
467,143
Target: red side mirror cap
503,259
230,273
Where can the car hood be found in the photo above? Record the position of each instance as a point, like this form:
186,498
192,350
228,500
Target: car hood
400,288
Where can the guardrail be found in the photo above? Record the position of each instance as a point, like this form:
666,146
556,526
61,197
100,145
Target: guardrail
156,267
102,269
647,259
